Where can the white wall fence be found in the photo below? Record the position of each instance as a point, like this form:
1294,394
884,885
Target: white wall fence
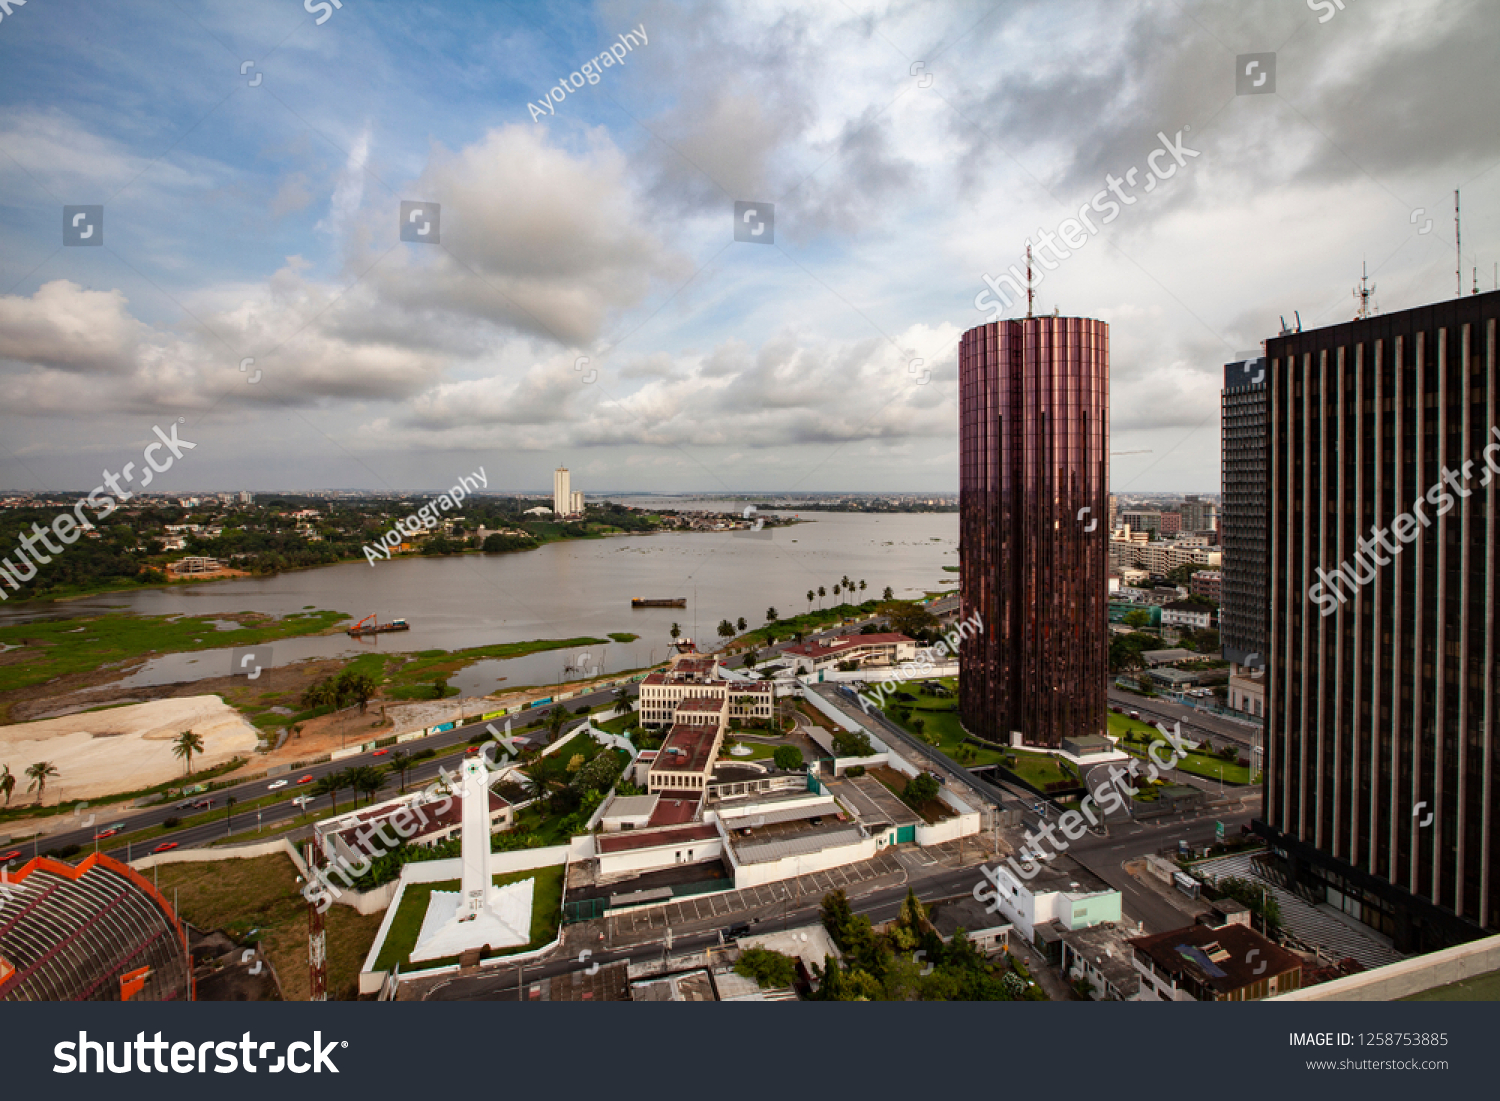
1400,980
439,871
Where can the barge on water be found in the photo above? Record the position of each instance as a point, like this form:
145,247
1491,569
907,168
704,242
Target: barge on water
669,602
368,626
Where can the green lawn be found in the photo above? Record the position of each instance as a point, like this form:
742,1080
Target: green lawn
1139,735
546,916
758,752
55,648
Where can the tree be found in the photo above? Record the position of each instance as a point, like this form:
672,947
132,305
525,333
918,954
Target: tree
822,592
367,781
1137,618
674,631
401,762
920,788
836,594
750,659
7,783
184,746
887,595
556,717
329,786
39,774
726,629
623,700
907,617
770,615
439,687
810,595
741,624
229,814
861,585
769,969
787,757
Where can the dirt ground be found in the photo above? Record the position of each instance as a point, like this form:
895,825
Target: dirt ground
124,748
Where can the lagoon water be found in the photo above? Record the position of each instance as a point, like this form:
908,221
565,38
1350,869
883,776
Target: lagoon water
562,590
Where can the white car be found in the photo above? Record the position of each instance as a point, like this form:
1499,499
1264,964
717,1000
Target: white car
277,784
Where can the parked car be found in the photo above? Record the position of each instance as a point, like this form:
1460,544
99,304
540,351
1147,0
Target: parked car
165,847
306,779
276,785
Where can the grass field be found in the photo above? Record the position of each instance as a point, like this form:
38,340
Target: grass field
546,916
56,648
259,900
1139,735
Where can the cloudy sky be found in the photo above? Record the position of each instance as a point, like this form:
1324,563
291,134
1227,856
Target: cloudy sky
251,157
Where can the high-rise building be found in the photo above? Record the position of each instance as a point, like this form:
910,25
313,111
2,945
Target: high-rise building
575,502
1384,673
1033,469
562,496
1114,511
1197,514
1245,607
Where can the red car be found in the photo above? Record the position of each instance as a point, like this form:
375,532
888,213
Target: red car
102,834
165,847
380,753
305,780
6,858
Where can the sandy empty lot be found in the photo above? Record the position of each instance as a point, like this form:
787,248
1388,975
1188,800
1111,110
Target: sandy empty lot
124,748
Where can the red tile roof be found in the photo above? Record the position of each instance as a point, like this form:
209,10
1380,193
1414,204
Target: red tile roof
845,642
702,703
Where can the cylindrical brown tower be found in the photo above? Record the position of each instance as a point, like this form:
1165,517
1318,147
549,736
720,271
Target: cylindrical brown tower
1034,467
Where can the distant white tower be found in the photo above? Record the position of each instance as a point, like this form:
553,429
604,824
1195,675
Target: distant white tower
476,839
562,497
576,503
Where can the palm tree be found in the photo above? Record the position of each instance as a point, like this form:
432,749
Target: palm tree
623,699
555,719
674,631
861,584
822,592
401,762
367,781
888,595
845,582
361,687
185,745
770,615
741,624
39,774
810,595
229,815
329,786
726,629
7,783
836,593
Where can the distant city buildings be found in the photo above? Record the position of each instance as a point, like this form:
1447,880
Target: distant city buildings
1382,634
1033,467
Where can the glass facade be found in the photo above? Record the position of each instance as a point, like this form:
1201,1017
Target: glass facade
1380,714
1034,468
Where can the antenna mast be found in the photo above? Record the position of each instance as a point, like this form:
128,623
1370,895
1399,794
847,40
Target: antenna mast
1363,293
1458,248
1030,287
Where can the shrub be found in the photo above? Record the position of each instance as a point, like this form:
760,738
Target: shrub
769,969
855,770
171,823
920,788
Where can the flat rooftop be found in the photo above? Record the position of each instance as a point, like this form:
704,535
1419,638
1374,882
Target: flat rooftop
674,810
695,746
703,703
872,802
654,838
1217,957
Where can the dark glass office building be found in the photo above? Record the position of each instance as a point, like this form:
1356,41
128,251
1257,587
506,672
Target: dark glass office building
1034,468
1381,767
1242,517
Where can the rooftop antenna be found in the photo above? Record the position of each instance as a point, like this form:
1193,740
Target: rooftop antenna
1458,247
1476,281
1364,293
1030,287
1298,315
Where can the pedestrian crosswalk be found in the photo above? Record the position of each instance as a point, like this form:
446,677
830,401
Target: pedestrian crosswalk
1319,926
